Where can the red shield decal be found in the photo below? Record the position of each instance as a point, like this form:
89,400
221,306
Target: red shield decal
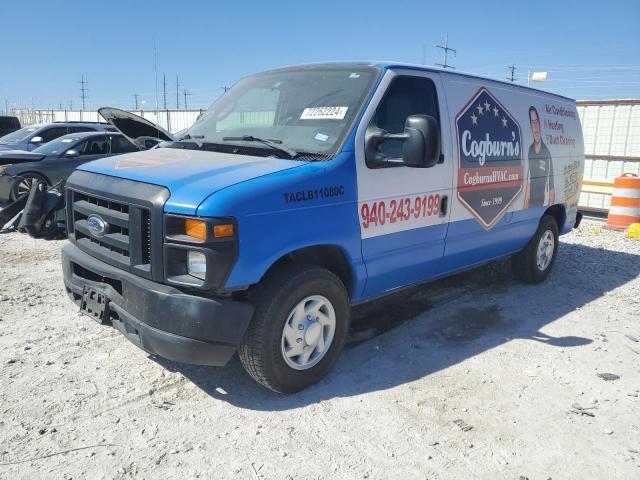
490,163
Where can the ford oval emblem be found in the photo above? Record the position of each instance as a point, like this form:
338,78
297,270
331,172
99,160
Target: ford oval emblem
97,226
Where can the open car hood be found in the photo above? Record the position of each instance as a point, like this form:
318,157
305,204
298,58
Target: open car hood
10,157
137,129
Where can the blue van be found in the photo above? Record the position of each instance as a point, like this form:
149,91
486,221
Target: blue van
305,190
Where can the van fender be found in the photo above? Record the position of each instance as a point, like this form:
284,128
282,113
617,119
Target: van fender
334,258
559,212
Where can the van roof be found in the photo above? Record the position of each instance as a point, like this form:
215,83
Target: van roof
412,66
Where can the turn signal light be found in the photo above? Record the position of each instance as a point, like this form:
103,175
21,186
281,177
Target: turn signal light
223,231
196,229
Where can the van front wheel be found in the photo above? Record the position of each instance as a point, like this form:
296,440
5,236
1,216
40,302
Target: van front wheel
298,328
534,263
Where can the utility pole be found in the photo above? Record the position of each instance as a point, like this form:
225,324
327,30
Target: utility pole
70,104
186,94
60,106
135,97
177,94
512,77
445,52
164,90
225,88
83,91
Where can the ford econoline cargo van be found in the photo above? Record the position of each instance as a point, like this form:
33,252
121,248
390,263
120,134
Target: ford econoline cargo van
305,190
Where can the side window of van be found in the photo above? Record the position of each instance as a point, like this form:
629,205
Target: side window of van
405,96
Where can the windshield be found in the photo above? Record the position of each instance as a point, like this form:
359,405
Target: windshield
58,145
18,135
307,110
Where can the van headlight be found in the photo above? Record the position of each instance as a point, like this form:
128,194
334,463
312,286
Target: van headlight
199,252
197,264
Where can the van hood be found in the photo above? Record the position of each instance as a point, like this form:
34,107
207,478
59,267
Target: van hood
190,175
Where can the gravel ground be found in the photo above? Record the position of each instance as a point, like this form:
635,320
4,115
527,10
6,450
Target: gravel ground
476,376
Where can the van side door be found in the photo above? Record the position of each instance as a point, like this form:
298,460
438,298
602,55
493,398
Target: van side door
489,125
403,211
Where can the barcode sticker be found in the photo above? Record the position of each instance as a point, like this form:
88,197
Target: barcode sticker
324,113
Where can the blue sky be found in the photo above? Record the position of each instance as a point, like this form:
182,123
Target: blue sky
591,49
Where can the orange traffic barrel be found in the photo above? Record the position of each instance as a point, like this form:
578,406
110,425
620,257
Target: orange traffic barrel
625,202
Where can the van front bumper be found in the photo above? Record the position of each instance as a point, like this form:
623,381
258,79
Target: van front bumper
159,319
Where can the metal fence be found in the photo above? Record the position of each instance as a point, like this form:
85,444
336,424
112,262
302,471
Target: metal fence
171,120
611,131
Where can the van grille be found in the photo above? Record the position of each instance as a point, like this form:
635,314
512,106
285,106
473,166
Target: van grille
127,239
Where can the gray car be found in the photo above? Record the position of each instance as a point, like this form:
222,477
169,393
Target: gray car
34,136
56,160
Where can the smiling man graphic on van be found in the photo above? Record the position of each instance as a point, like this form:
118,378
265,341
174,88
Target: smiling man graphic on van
540,191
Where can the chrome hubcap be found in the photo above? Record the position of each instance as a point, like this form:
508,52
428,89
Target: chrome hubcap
24,186
545,250
308,332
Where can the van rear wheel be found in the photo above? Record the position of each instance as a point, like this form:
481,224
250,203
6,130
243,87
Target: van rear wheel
534,263
298,329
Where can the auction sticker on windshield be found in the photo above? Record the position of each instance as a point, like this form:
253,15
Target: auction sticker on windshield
324,113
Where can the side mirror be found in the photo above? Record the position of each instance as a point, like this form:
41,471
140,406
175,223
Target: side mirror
420,147
36,139
71,153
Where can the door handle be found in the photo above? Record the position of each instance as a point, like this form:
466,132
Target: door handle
444,204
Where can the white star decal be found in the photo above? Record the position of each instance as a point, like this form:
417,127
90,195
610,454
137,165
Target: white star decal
495,111
474,119
487,106
480,110
504,122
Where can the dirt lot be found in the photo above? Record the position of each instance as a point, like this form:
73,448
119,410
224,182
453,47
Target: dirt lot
473,377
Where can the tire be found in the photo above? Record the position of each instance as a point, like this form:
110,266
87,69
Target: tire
25,181
277,301
527,265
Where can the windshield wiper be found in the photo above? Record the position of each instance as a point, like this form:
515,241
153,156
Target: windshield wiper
195,139
275,144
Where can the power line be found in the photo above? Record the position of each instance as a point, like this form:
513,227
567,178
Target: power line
177,93
83,91
164,90
512,77
155,69
186,94
445,53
